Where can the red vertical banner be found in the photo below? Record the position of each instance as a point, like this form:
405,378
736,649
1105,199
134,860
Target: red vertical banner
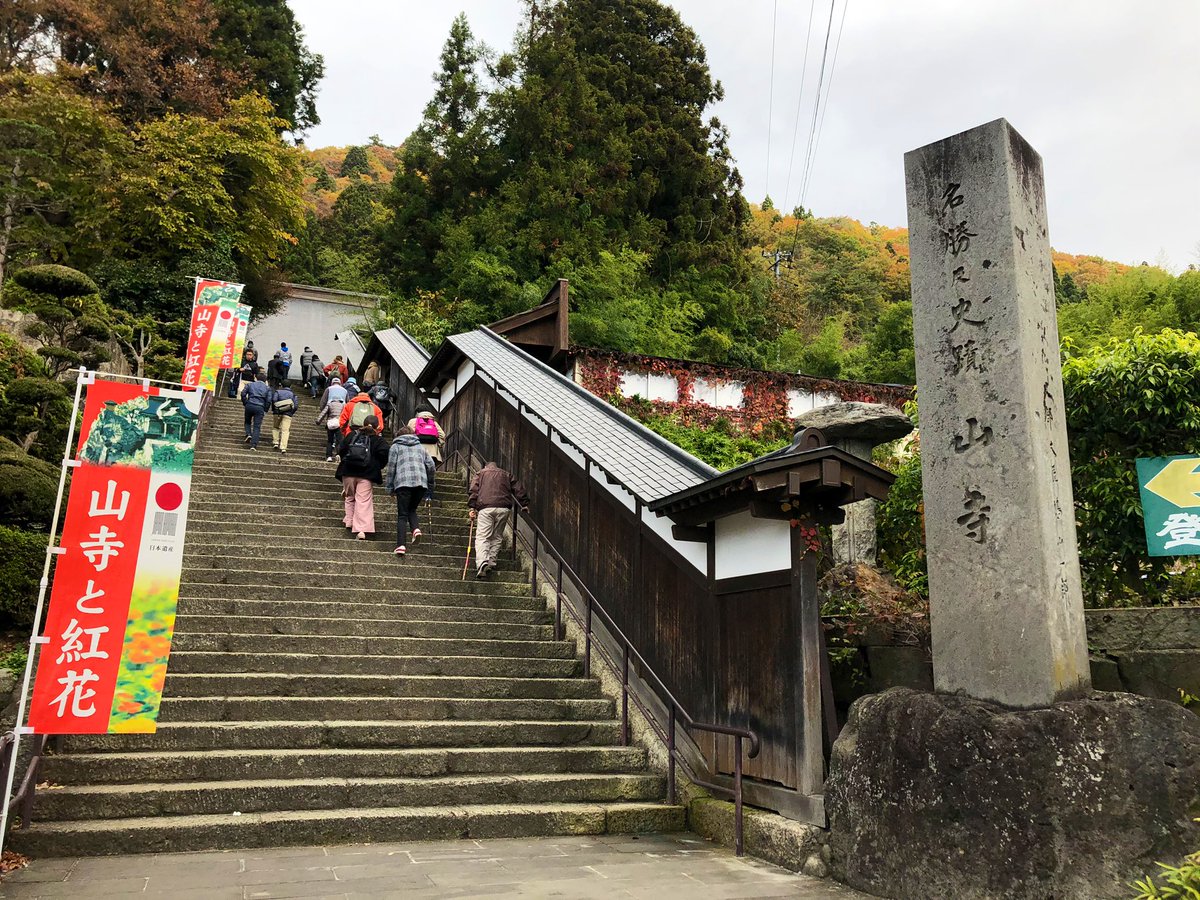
111,616
210,338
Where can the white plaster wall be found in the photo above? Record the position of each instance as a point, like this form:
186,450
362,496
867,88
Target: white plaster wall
650,386
694,552
747,546
719,394
806,401
300,322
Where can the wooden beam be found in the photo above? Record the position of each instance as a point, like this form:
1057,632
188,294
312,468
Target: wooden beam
806,614
697,533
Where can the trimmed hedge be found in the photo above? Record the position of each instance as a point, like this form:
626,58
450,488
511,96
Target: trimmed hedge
22,555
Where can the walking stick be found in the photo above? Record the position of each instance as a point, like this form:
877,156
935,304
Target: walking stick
466,562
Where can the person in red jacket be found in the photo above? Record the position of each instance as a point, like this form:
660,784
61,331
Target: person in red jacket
356,411
337,369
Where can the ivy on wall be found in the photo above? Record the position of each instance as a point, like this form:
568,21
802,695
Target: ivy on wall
764,407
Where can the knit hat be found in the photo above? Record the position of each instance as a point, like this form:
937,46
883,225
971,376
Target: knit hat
335,380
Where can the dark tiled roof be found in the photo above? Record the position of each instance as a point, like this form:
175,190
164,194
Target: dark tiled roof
648,465
410,356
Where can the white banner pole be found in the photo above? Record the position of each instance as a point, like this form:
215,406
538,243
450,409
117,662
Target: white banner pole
68,462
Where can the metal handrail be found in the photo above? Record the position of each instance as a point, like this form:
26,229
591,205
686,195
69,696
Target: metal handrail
675,712
23,797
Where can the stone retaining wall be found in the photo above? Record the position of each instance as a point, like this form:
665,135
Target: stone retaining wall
1154,652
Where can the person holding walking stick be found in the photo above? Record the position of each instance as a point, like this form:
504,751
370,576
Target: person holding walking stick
493,493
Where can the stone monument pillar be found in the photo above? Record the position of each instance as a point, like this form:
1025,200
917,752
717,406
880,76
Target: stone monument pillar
1006,609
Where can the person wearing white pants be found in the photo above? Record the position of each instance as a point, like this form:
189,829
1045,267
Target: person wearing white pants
493,494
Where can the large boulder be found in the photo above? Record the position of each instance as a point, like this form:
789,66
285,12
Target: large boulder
942,796
873,423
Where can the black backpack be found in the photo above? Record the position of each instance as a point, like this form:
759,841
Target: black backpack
359,451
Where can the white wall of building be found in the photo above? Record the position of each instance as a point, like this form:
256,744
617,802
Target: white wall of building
304,322
748,546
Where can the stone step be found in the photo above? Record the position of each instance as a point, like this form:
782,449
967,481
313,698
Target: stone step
224,765
440,561
397,581
332,609
332,541
280,610
337,570
366,628
414,591
400,709
327,827
207,663
275,522
325,508
312,479
288,684
116,801
224,642
327,536
324,733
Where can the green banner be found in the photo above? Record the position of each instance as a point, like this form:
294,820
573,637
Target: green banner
1170,487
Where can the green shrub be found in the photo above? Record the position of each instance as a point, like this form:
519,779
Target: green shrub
1134,398
57,281
900,527
22,556
28,487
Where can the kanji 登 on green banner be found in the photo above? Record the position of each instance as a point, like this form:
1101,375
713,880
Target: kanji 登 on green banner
1170,487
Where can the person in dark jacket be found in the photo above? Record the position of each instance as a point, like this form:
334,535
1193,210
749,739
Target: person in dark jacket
256,398
283,406
364,454
276,373
409,479
493,494
306,363
316,376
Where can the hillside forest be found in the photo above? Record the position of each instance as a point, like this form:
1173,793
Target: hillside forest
143,142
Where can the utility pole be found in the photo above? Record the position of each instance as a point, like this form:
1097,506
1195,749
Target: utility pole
777,257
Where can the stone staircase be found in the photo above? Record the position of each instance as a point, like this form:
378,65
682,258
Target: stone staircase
323,691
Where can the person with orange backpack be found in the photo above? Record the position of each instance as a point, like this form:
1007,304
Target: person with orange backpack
356,411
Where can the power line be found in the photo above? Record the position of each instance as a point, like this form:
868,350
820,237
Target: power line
799,100
812,128
828,90
771,100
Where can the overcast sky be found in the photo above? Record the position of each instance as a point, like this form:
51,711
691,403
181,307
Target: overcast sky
1108,91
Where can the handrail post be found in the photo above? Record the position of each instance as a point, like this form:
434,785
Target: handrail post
587,635
533,580
625,698
558,622
516,513
671,755
737,795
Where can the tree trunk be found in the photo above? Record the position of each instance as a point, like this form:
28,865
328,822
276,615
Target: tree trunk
10,210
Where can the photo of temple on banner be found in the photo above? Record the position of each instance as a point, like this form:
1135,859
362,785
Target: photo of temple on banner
145,432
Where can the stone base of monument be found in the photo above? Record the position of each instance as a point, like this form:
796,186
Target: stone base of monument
942,796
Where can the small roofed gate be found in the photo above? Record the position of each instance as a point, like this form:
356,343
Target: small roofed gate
737,649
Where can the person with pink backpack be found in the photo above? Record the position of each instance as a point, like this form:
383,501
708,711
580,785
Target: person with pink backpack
428,432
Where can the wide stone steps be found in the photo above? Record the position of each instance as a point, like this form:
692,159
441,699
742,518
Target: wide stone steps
108,801
298,664
323,690
307,827
226,765
336,685
194,639
338,627
393,709
322,733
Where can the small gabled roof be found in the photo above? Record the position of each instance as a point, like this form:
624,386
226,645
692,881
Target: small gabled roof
403,349
643,462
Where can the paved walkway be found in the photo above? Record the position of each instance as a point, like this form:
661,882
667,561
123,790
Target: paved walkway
656,867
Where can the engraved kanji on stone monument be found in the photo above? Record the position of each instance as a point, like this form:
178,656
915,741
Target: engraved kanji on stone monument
1005,601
